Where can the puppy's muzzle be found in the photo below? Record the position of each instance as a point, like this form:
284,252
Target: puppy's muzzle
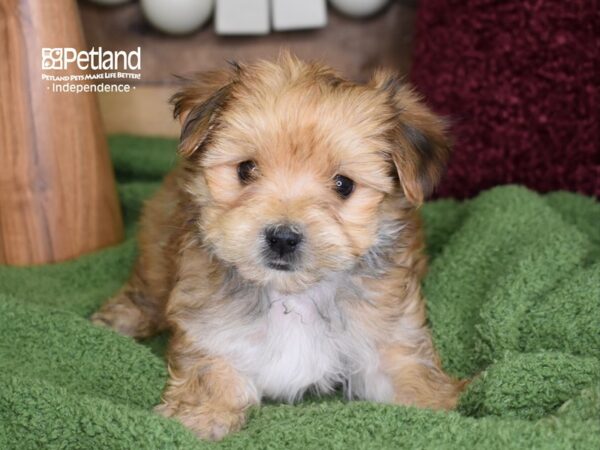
283,242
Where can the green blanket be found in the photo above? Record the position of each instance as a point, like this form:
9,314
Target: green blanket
514,296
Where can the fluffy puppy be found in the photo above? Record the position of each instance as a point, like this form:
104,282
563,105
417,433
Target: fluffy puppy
285,253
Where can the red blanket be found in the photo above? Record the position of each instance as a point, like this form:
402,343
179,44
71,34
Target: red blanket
520,81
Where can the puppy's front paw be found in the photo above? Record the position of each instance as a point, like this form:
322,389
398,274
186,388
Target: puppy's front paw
206,421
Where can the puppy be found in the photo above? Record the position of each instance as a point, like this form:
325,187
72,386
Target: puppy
285,253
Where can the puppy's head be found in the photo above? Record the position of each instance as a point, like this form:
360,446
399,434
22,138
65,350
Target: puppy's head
299,173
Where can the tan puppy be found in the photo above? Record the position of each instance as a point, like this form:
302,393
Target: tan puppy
285,253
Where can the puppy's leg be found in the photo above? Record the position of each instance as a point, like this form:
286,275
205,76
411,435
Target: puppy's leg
134,311
138,310
407,376
416,375
407,369
205,393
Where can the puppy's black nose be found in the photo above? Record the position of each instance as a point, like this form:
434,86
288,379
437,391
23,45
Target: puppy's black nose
282,239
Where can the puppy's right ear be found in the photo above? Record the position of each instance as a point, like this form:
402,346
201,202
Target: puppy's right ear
198,106
421,146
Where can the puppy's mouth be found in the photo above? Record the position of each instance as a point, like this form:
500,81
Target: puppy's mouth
283,266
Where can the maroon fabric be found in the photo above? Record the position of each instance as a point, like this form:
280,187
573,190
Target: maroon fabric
520,81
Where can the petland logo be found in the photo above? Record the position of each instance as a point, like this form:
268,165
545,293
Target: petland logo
99,70
94,59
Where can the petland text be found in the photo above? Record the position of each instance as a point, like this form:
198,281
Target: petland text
94,59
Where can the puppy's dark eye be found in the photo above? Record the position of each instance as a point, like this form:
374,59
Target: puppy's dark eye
246,171
343,185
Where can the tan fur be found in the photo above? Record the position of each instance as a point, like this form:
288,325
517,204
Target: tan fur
200,271
204,392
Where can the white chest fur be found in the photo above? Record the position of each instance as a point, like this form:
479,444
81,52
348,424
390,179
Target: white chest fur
300,341
299,344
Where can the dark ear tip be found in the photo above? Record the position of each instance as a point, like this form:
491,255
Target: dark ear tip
176,101
424,154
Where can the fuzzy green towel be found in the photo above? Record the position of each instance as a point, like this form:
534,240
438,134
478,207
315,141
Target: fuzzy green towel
514,296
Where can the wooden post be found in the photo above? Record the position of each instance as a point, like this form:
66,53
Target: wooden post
58,197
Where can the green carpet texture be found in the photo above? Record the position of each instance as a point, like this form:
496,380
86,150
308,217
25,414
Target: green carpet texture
513,296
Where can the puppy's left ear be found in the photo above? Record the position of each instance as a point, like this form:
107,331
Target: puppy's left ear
198,106
420,145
